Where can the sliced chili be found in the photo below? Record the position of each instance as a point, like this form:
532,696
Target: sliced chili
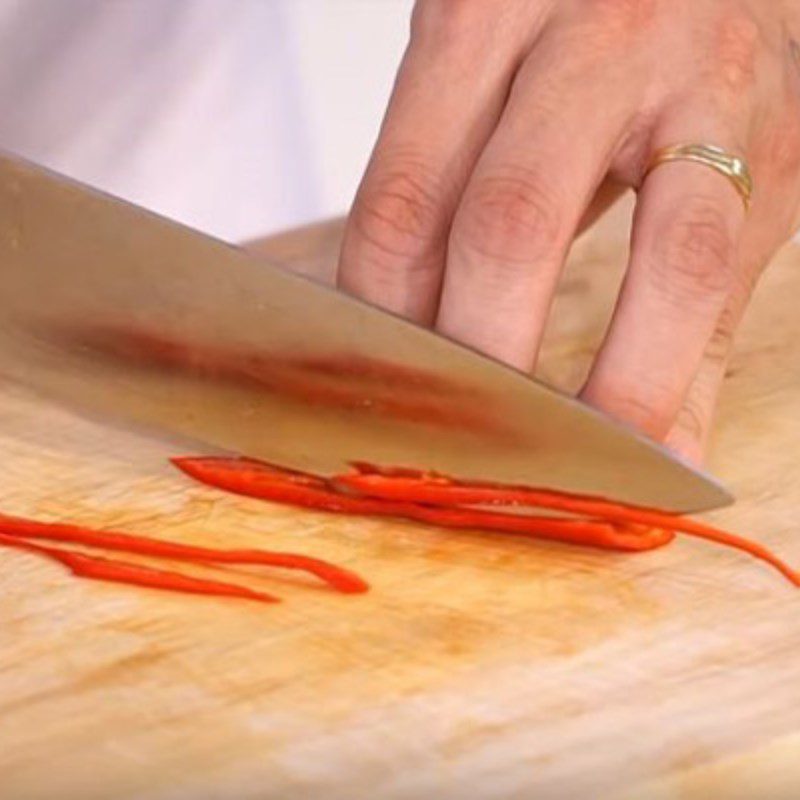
104,569
448,502
268,482
340,579
440,491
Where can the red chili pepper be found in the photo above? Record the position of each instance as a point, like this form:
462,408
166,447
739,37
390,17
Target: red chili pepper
440,491
268,482
338,578
440,500
104,569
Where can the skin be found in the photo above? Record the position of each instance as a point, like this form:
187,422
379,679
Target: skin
515,123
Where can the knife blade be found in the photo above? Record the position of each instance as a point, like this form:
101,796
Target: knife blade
114,310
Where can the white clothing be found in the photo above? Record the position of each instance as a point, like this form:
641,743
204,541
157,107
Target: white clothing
233,116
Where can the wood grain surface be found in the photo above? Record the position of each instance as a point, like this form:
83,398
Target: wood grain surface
480,666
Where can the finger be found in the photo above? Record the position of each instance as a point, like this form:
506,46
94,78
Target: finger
524,202
449,93
690,432
774,164
684,259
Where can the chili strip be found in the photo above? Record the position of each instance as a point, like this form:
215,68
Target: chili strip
444,501
440,491
267,482
340,579
104,569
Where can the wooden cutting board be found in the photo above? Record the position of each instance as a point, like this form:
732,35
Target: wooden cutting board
480,666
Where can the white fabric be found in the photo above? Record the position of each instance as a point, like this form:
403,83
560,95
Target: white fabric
207,111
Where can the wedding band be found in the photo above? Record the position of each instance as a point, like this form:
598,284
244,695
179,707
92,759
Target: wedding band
733,167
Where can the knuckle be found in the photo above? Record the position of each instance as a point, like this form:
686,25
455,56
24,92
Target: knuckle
695,253
738,46
399,211
692,419
720,344
510,216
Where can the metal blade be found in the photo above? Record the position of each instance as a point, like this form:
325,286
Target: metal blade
115,310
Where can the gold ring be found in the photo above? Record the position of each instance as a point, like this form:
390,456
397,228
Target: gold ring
733,167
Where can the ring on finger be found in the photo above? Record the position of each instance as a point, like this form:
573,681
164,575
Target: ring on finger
733,167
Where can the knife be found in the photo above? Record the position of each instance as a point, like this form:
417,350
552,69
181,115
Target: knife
116,311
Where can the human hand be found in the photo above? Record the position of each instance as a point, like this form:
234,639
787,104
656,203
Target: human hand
513,123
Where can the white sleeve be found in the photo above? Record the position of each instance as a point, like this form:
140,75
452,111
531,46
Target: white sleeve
233,116
189,107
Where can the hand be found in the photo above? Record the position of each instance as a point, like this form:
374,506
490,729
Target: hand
513,123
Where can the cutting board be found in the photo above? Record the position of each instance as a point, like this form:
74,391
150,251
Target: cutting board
480,666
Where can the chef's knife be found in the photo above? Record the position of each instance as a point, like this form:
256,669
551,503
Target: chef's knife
112,309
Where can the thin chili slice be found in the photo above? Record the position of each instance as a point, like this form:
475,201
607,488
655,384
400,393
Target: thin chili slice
338,578
104,569
440,491
267,482
441,500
